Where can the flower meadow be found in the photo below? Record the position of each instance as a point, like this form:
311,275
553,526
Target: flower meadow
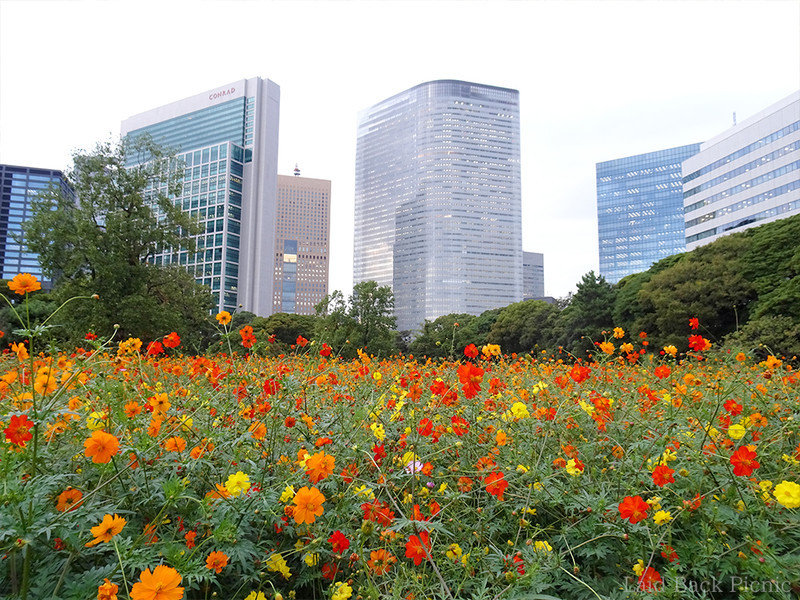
130,470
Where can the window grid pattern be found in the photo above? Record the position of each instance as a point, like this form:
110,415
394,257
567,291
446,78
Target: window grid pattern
640,210
763,184
438,200
301,244
212,194
19,186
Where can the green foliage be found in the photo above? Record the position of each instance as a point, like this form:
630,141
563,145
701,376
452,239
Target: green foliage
477,329
524,326
778,335
283,329
364,321
589,312
707,283
100,245
438,337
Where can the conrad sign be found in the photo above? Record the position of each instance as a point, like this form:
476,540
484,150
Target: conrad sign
222,94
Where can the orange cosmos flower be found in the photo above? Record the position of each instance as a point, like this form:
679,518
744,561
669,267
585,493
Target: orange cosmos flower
309,505
662,475
108,528
416,547
24,283
633,508
319,466
175,444
216,560
223,317
107,590
101,446
744,461
69,499
380,561
496,484
190,537
20,350
132,409
650,580
172,340
161,584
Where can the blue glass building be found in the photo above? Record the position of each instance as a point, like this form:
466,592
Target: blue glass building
18,187
227,139
640,210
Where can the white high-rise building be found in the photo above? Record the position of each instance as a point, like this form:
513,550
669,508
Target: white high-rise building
746,176
228,140
438,212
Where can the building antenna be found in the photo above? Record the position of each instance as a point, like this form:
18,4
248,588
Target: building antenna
734,118
296,170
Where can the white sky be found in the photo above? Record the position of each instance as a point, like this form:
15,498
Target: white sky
598,80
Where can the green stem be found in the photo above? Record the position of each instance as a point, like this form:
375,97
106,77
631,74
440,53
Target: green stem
121,567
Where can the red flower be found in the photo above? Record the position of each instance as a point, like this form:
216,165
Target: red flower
698,343
189,537
471,351
154,349
744,461
378,512
301,341
633,508
339,542
90,337
470,376
416,547
172,340
326,350
650,579
18,430
733,407
379,453
425,427
662,475
460,425
580,374
248,339
663,371
496,484
694,323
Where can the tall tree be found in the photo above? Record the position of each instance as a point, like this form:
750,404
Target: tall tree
364,321
125,212
589,314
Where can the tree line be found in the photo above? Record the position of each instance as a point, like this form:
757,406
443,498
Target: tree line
743,288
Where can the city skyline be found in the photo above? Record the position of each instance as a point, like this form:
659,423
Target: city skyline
590,75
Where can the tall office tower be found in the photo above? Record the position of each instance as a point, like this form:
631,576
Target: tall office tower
302,243
532,275
228,140
438,199
744,177
18,187
640,210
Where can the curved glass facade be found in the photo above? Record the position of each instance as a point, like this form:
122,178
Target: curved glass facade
438,199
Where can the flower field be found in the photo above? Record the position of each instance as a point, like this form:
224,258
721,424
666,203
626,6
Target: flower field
129,470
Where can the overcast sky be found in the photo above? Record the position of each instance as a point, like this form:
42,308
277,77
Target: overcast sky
597,80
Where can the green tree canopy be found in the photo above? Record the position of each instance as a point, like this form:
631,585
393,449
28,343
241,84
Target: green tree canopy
589,313
364,321
524,326
100,244
438,337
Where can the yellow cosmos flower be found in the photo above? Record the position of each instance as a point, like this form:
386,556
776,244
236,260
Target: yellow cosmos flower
736,432
237,484
542,546
662,516
787,493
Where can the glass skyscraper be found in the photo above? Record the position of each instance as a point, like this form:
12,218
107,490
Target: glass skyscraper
18,187
228,141
640,210
438,199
